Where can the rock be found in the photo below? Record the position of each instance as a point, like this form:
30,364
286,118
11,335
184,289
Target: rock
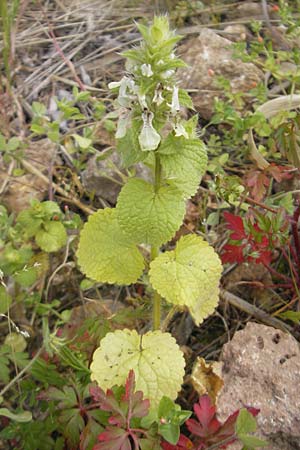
251,10
102,176
261,368
19,191
236,32
208,57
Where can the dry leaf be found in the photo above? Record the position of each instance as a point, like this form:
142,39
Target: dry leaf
206,378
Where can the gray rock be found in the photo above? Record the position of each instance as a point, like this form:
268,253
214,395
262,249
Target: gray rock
103,176
208,56
261,368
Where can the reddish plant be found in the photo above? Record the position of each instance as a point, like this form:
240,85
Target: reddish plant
207,429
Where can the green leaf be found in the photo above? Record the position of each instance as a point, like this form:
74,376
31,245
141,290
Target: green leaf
105,254
13,144
155,358
252,441
294,316
245,422
184,98
29,222
170,418
52,238
5,300
20,417
147,216
183,162
166,405
39,109
26,277
49,208
189,276
170,432
16,342
38,129
83,142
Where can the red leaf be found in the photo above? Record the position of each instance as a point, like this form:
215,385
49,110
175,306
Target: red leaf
233,254
258,182
206,414
279,173
137,407
236,224
113,439
207,423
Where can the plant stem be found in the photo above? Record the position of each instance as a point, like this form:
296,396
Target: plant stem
157,178
155,250
155,296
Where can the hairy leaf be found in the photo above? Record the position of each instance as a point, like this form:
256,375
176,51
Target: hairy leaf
150,217
189,276
105,254
155,358
184,162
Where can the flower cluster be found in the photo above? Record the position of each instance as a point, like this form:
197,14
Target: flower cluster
148,93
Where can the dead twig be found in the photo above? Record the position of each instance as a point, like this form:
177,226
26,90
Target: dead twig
252,310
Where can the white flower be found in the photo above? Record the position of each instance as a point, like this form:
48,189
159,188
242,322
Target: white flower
123,123
180,130
149,138
175,106
142,101
126,84
146,70
114,84
158,98
167,74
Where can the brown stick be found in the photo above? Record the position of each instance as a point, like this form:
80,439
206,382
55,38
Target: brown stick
252,310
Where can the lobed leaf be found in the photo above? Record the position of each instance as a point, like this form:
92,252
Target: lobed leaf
148,216
105,254
155,357
189,276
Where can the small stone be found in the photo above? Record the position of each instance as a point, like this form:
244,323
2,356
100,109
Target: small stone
261,368
237,32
